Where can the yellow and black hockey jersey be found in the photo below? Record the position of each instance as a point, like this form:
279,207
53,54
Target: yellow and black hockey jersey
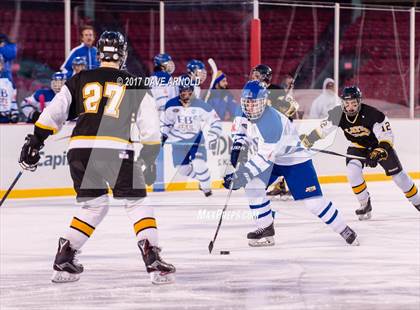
105,102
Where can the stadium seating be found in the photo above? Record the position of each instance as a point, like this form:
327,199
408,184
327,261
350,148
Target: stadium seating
287,36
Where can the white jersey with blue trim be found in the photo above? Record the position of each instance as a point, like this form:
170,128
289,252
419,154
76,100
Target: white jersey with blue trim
7,96
273,139
162,88
184,123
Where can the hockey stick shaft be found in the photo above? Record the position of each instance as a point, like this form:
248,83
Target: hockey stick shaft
213,67
11,187
338,154
211,244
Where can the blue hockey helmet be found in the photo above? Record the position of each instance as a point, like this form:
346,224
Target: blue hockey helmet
254,99
57,81
195,64
197,69
165,62
77,61
58,76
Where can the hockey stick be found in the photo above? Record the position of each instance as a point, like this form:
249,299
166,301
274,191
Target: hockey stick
213,67
11,187
211,244
338,154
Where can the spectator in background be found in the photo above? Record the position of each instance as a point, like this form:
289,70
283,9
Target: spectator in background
85,49
8,107
8,50
326,101
221,99
33,105
288,83
78,64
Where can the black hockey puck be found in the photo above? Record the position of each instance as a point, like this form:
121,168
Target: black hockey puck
224,252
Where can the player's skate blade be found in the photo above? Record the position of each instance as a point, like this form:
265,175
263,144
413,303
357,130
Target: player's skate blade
350,236
261,237
267,241
64,277
365,212
160,278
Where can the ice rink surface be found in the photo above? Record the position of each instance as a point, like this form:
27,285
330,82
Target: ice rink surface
310,267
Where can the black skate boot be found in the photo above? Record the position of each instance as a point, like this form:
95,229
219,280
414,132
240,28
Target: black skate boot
207,192
281,191
364,212
66,267
160,271
417,207
262,237
350,236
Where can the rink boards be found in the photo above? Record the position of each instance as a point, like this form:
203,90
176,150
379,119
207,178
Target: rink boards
52,178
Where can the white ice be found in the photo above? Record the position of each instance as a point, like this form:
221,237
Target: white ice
310,267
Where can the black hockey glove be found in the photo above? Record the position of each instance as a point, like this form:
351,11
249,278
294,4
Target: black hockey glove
376,155
239,153
309,140
239,178
29,156
163,139
150,174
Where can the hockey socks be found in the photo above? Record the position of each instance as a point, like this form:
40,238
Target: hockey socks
406,184
84,223
142,216
326,211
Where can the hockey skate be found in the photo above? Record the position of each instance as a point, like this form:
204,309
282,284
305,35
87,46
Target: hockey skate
280,190
160,272
207,192
66,267
262,237
350,236
364,212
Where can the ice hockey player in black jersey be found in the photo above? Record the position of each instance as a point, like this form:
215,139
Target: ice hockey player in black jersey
106,101
370,133
280,98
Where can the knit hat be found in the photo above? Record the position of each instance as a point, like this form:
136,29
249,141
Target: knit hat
219,77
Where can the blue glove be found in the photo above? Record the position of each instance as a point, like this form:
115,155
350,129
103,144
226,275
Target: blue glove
239,179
